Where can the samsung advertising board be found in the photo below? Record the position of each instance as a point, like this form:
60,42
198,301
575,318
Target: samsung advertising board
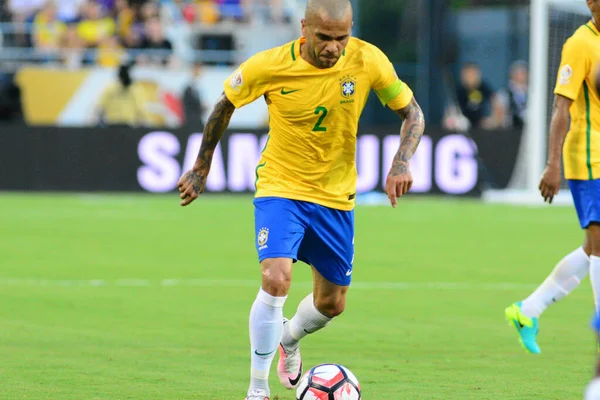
122,159
443,165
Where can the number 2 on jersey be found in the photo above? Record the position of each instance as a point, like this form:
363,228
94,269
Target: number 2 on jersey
323,113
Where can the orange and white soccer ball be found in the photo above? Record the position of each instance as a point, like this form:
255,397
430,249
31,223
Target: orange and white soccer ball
328,382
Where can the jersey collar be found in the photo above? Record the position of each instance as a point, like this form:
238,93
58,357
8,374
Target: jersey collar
592,26
296,47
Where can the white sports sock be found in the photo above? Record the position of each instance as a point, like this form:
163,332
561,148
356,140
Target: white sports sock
565,277
306,321
595,278
266,320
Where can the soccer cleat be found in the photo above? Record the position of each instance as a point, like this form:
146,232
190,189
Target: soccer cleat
257,394
596,323
289,368
596,327
527,327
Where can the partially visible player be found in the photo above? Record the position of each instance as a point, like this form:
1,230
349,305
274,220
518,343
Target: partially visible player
577,99
597,77
316,88
592,391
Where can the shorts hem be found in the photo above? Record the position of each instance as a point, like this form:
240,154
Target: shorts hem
339,283
263,257
586,224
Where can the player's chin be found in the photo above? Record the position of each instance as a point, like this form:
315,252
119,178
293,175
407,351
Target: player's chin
328,62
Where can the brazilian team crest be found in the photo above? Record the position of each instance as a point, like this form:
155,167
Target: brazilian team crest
262,238
348,87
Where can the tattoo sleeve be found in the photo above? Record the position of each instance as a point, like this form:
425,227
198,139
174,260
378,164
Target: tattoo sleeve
413,126
217,123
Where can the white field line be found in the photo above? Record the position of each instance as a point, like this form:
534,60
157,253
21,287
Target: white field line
175,282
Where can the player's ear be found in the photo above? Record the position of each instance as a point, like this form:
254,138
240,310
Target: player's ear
303,22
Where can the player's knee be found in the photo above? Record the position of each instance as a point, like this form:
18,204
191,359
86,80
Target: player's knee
276,277
331,306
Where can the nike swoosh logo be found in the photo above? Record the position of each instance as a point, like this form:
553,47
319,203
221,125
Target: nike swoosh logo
309,332
295,381
349,272
264,354
283,92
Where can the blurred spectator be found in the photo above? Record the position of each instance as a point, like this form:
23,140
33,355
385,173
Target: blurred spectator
107,6
71,48
95,27
69,10
4,12
514,97
10,99
48,31
193,104
110,53
149,11
454,120
121,103
22,12
176,12
207,12
231,9
125,17
476,99
141,13
154,39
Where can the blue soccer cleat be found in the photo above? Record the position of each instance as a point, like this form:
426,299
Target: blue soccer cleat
596,322
596,327
527,327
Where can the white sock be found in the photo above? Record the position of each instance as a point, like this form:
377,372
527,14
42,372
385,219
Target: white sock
266,320
565,277
306,321
595,278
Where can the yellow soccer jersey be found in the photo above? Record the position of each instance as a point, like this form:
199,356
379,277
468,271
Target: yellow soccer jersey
581,151
314,113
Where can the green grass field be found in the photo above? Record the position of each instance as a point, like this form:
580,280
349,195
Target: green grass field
134,297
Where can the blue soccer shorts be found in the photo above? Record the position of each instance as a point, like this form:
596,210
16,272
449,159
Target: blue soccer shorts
586,196
319,236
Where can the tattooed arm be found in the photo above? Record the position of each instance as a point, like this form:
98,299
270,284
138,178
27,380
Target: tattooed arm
191,184
399,180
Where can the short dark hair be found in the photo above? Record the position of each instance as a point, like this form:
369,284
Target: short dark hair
470,64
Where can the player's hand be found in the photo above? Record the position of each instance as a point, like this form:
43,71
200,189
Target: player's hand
550,182
191,184
399,181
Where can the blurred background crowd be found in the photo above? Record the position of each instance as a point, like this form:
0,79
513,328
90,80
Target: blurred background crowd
64,31
467,76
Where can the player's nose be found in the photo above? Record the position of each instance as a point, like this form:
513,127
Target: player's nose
332,50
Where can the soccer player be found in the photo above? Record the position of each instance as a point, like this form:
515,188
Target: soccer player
575,97
315,88
592,390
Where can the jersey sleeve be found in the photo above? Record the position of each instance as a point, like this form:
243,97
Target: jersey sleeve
248,82
389,88
574,68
